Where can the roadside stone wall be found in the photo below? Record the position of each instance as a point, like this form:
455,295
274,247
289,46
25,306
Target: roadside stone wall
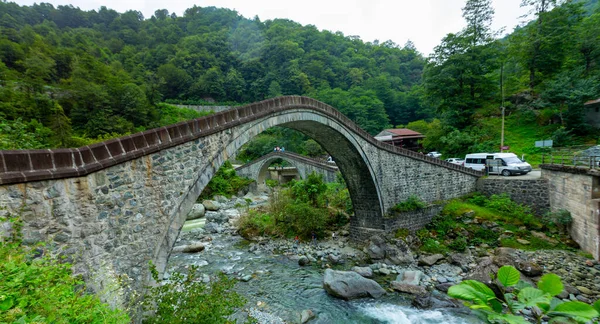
574,189
533,193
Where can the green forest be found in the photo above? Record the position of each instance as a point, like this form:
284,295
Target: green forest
70,77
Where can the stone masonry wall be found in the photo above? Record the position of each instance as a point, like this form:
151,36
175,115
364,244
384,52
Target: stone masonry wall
533,193
572,189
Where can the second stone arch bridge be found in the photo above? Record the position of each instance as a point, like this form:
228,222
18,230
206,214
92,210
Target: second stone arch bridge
257,170
114,206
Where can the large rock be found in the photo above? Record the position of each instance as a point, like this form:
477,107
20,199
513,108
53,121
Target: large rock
191,248
410,277
211,205
507,256
375,252
434,301
303,261
350,285
363,271
485,267
196,212
398,255
306,316
216,217
430,259
213,228
462,259
221,199
408,288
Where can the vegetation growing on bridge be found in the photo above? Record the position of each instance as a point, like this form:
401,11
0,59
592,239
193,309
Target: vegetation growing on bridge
300,208
412,203
495,221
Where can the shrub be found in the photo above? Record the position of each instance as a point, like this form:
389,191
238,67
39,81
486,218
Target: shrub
478,199
271,183
45,290
561,219
225,182
185,299
309,190
459,244
433,246
412,203
402,233
484,235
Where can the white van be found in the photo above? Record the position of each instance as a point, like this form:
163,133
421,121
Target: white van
498,163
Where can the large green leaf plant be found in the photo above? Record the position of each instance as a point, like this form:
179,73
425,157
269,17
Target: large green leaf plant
516,296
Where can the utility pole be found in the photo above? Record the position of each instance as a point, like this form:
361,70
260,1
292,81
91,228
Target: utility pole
502,91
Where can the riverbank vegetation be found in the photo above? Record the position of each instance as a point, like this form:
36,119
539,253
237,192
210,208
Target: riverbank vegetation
225,183
492,222
38,288
300,208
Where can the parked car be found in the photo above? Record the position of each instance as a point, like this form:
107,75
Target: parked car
434,154
505,164
458,161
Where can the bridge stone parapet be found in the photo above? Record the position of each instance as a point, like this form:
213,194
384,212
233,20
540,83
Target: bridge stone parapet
577,190
115,205
258,168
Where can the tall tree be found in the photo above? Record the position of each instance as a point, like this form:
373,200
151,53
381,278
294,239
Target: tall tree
479,15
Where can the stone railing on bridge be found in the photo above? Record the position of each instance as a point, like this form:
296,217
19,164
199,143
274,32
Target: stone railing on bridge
20,166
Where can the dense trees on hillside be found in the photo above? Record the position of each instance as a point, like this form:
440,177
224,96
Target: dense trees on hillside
546,68
81,73
68,76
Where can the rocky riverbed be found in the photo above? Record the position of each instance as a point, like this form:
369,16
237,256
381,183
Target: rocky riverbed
284,281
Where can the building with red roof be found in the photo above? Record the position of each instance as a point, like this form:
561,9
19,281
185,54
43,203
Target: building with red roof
402,137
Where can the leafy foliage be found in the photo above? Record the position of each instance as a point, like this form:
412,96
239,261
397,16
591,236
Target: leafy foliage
183,298
38,288
305,207
506,308
225,182
412,203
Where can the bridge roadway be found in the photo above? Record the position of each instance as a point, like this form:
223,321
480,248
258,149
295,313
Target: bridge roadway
112,207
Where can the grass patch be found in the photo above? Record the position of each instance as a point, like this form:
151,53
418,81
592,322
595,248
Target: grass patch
495,221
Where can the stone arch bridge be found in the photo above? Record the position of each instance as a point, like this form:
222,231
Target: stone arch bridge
258,169
113,206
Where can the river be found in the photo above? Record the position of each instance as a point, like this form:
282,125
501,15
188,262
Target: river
277,285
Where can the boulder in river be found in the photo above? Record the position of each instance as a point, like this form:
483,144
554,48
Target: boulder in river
191,248
306,316
303,261
430,259
408,288
350,285
216,217
196,212
363,271
211,205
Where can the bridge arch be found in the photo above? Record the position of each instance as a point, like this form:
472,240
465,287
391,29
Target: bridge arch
120,203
